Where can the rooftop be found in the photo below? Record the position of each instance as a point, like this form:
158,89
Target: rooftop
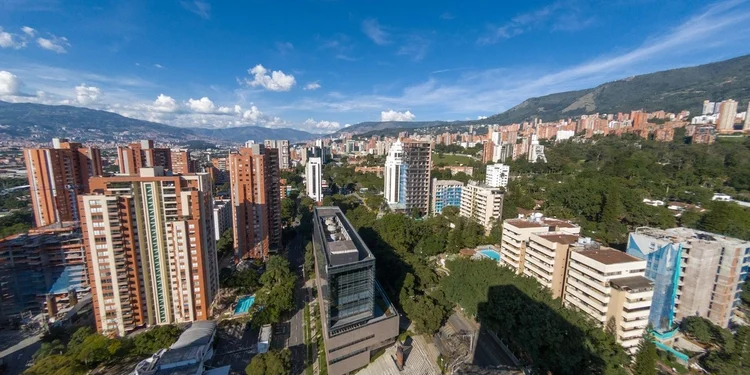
632,283
342,243
561,238
606,255
682,234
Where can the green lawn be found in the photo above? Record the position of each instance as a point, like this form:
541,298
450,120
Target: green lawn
445,159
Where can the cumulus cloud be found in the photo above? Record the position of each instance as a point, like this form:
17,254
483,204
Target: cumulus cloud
312,86
53,43
481,117
165,104
8,40
391,115
28,31
86,95
202,105
323,125
276,81
253,114
9,83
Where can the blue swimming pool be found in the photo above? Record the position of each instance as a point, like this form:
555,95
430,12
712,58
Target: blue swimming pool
492,254
244,304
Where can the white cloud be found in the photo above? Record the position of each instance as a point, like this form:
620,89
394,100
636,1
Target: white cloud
277,81
165,104
159,66
391,115
312,86
202,105
201,8
86,95
375,32
10,84
481,117
54,43
28,31
322,125
253,114
8,40
284,47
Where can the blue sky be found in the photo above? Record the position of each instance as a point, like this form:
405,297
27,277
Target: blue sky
320,65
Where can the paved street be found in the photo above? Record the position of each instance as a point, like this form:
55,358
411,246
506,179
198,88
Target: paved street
296,343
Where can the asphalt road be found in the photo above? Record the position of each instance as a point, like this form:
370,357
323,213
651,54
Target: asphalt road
296,342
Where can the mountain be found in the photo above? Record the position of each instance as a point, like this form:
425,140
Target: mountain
43,122
376,126
671,90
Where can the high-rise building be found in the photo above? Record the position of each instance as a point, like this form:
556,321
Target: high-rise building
497,175
256,204
694,273
222,217
42,270
482,204
746,127
536,151
314,179
517,234
283,147
445,193
57,176
181,162
610,287
708,107
151,249
357,317
546,259
407,179
143,154
727,114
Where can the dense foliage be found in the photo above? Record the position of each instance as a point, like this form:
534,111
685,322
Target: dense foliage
271,363
225,244
277,293
340,177
17,222
645,359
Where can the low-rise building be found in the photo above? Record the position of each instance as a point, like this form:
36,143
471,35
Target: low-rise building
546,259
517,232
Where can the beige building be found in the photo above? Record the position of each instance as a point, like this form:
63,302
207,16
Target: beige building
727,114
516,235
546,259
609,285
482,204
151,249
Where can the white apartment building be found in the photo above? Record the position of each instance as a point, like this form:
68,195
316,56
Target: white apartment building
283,146
314,178
393,164
517,233
222,217
482,204
497,175
609,285
546,259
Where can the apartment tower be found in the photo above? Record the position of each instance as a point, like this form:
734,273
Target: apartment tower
283,147
727,114
181,162
256,204
746,126
151,249
482,204
517,234
143,154
314,179
57,176
445,193
497,175
407,180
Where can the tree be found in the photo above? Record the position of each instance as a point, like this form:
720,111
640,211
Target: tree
645,359
745,294
426,314
156,338
270,363
288,210
309,260
277,294
55,347
225,245
431,245
95,349
55,365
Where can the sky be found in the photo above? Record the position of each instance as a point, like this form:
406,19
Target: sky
321,65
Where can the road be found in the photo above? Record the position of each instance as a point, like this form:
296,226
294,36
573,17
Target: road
487,351
296,343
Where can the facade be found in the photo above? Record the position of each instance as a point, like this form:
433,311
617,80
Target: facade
727,114
546,259
314,179
517,234
40,269
143,154
694,273
357,317
57,176
394,162
283,147
256,204
610,287
445,193
482,204
222,217
497,175
151,249
416,175
181,162
746,126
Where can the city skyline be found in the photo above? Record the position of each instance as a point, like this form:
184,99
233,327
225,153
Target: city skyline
454,64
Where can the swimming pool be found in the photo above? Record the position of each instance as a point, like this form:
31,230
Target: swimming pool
244,304
492,254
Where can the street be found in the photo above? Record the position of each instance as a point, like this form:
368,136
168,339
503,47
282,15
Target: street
296,343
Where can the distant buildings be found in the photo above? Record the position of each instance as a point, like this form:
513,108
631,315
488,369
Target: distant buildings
181,162
57,176
222,217
143,154
357,317
727,114
407,175
151,249
497,175
314,179
445,193
694,273
283,147
256,203
746,127
482,204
